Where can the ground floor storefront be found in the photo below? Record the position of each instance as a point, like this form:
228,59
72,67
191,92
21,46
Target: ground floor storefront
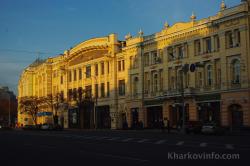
89,116
230,110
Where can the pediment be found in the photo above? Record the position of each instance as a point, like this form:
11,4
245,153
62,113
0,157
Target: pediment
87,56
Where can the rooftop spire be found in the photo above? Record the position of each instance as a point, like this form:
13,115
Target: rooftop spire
128,36
166,25
140,33
193,17
223,5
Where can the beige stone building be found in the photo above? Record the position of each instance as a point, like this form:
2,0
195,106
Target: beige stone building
104,82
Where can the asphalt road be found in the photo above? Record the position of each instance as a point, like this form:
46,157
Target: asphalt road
119,148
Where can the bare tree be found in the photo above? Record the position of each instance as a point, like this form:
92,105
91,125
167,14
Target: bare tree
30,106
53,102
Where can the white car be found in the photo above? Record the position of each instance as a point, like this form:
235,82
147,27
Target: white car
47,126
211,128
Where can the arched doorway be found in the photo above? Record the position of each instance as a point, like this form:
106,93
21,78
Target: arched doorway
235,115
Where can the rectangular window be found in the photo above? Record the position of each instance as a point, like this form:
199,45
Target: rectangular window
154,57
96,69
121,87
102,68
180,52
208,45
216,43
80,74
161,79
200,79
229,39
88,71
102,90
108,93
74,75
80,91
123,65
61,98
146,59
74,94
108,66
237,37
88,91
70,93
119,66
197,47
218,77
70,76
61,79
96,90
170,53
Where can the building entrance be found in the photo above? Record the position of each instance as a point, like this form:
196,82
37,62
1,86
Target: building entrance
236,115
103,120
154,116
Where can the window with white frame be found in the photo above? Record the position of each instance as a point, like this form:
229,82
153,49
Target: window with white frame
209,75
236,71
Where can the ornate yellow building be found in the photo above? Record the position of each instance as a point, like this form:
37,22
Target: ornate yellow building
104,82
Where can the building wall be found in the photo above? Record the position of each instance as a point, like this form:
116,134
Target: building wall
145,71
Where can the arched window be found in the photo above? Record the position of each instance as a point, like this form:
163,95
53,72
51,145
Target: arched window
236,71
209,75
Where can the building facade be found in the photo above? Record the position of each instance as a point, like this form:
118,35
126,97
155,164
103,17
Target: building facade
106,83
8,107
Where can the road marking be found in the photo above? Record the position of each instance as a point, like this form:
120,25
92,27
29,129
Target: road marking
180,143
160,141
229,146
143,140
203,144
115,138
128,139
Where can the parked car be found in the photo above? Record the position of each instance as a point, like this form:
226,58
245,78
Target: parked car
47,126
3,127
30,127
193,127
211,128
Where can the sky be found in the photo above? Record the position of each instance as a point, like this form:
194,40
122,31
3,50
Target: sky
43,28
